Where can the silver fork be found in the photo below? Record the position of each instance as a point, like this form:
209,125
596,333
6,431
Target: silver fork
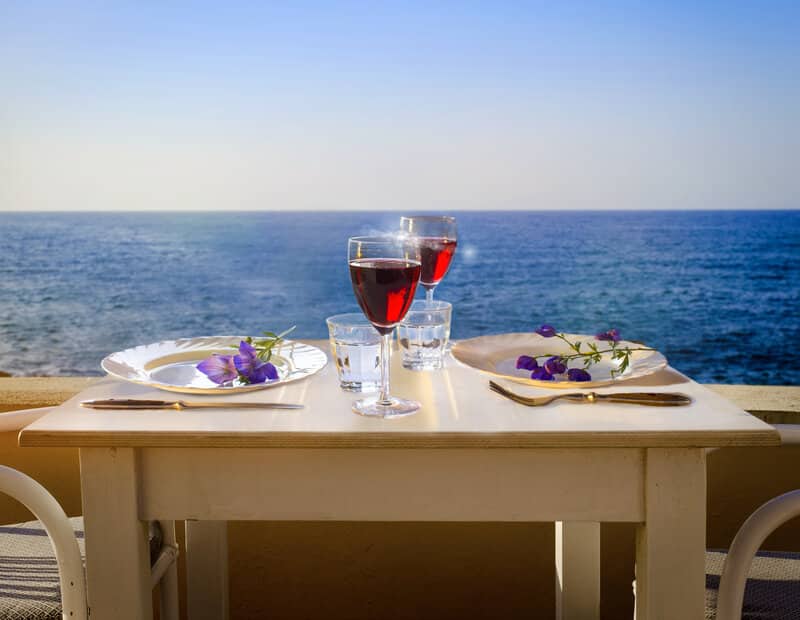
535,402
655,399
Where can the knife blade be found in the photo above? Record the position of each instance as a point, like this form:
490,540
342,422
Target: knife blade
135,403
664,399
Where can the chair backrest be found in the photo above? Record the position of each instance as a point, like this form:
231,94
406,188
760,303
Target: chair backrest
748,540
70,566
45,507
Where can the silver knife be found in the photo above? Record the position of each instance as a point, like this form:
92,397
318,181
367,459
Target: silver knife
133,403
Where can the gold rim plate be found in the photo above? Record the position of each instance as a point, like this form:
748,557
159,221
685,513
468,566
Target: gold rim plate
171,365
497,355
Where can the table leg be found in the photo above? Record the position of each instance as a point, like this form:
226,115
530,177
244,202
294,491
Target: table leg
670,545
577,571
207,570
117,550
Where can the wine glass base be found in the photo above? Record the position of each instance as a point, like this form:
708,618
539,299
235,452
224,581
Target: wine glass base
395,408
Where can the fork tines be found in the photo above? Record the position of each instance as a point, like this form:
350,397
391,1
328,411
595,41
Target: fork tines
499,389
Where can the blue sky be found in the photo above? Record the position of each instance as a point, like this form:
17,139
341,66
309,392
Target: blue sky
427,106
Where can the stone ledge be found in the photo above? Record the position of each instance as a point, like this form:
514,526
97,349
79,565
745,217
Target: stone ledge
30,392
761,397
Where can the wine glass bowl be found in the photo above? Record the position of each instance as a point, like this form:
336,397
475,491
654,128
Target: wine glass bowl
436,237
384,272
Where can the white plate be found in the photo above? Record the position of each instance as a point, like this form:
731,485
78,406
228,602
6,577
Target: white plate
497,356
171,365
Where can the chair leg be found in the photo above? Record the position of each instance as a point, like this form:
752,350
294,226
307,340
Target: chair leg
169,605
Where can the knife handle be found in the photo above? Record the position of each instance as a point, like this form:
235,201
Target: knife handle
649,403
128,402
649,397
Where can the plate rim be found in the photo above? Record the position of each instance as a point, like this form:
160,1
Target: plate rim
660,364
207,390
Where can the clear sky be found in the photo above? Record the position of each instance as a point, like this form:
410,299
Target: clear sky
407,105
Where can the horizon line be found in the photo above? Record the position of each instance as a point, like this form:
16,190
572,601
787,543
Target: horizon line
421,211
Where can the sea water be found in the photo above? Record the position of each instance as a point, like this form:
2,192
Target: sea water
717,292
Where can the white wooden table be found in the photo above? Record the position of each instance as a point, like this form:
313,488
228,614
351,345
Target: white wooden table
468,455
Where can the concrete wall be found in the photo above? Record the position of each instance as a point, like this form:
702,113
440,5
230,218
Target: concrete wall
426,570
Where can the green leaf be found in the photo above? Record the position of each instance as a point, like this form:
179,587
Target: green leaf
288,331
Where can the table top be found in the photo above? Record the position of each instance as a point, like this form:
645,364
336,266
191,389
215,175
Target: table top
458,411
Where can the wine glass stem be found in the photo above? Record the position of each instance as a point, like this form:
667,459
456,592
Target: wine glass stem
429,294
386,356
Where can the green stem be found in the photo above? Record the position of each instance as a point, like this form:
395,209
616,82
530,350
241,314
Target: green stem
571,345
588,353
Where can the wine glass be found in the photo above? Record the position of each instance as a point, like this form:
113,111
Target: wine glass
384,272
436,238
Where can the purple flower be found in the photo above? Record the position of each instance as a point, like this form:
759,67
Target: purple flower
251,367
219,368
548,331
611,335
541,374
247,360
578,374
555,365
261,373
526,362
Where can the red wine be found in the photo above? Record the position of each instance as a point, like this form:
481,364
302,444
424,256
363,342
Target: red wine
436,254
384,288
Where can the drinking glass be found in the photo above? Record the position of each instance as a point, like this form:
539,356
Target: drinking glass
424,333
356,350
384,272
436,237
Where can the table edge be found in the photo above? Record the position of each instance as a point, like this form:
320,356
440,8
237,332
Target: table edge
439,440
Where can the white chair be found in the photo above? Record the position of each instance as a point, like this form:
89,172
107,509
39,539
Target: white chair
28,569
23,590
774,588
777,594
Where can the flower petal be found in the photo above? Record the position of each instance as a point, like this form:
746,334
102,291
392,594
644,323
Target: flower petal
262,372
247,360
555,365
272,372
578,374
247,350
548,331
219,368
541,374
526,362
610,335
243,364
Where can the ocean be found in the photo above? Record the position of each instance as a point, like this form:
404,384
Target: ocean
718,292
